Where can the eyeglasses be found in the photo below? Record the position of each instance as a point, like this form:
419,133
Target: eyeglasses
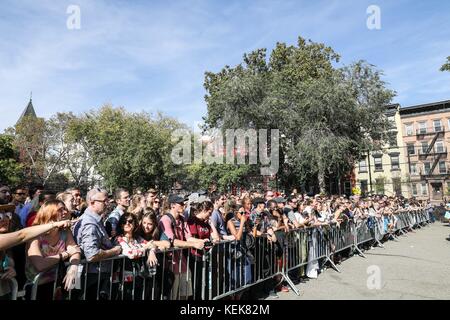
129,221
103,201
4,215
156,201
241,212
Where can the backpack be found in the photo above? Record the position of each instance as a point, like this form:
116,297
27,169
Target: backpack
173,224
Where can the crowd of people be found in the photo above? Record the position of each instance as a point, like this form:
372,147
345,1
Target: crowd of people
50,229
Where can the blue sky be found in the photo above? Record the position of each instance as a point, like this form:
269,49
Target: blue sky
152,55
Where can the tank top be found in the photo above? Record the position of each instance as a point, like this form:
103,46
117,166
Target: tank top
46,250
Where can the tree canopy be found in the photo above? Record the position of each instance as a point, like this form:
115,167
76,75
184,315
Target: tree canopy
327,116
446,65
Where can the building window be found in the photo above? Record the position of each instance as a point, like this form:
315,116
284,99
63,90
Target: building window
427,167
395,163
363,186
378,164
363,166
347,188
409,129
424,147
413,169
397,186
442,168
379,185
437,125
411,148
414,189
439,146
424,189
422,127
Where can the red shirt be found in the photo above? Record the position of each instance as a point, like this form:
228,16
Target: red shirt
199,229
30,218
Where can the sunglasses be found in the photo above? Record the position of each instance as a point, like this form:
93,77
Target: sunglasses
129,221
5,215
241,212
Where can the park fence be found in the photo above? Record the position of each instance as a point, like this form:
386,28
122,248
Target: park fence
228,267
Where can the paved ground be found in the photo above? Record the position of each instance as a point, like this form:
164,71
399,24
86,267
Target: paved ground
415,267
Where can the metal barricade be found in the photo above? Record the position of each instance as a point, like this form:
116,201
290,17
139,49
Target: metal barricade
238,265
13,287
224,269
122,278
364,233
380,232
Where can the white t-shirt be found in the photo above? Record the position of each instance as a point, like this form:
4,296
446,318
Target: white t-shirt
299,217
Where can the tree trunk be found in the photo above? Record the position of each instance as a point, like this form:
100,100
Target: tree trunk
321,177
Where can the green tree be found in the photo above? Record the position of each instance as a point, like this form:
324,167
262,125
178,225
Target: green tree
11,172
446,65
30,138
127,149
327,116
74,164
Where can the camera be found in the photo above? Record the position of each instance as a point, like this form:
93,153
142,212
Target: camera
208,244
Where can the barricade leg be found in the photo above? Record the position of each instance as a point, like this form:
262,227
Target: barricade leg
332,264
334,239
291,284
358,250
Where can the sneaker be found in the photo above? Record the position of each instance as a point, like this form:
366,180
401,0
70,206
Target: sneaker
284,289
448,239
273,294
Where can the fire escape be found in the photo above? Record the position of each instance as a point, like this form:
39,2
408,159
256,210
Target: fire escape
435,153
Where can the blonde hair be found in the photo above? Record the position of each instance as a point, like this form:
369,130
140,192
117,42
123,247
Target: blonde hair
48,212
135,203
64,196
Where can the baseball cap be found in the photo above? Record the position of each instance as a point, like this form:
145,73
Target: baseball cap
280,200
202,198
257,201
175,198
193,198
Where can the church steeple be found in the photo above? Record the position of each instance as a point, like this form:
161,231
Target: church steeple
29,110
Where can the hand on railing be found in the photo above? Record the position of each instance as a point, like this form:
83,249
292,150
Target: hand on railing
70,277
198,245
152,261
9,273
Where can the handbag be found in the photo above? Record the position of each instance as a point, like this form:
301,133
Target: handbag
447,215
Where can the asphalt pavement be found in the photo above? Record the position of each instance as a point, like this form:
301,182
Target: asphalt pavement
416,266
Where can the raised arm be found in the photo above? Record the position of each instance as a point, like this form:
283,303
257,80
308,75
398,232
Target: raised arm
12,239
